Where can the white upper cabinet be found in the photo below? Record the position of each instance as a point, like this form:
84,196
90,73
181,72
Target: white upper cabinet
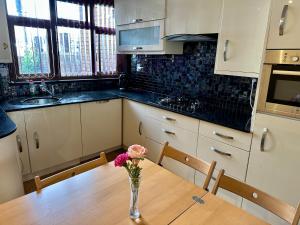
5,51
145,38
133,11
284,30
53,135
274,162
101,125
242,37
193,16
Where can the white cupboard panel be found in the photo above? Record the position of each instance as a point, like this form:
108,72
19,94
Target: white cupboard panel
54,135
21,138
101,125
5,51
289,39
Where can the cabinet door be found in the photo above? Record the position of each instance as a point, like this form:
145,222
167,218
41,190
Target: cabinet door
11,185
133,126
125,11
5,52
101,126
191,16
54,136
276,169
150,10
284,35
132,11
21,139
241,41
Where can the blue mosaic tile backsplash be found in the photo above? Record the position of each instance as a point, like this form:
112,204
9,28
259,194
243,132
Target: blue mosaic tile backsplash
190,74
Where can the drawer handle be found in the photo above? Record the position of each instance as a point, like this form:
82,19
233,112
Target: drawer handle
36,140
168,118
263,139
140,128
102,101
220,152
283,20
137,48
168,132
19,143
137,20
222,135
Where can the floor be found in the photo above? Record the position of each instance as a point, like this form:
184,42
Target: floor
29,186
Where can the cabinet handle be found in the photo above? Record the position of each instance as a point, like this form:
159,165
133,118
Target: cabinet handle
137,48
220,152
5,46
168,118
137,20
263,139
140,128
222,135
102,101
36,139
283,19
225,50
168,132
19,143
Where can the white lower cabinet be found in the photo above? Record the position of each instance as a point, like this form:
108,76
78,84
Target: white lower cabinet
54,135
101,125
21,139
11,185
232,159
274,167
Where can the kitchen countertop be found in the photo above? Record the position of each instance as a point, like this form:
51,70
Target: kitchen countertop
209,111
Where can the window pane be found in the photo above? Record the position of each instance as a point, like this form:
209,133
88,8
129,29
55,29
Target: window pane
108,57
29,8
104,16
74,51
32,50
70,11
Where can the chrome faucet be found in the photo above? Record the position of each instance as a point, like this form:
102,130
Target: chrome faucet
44,88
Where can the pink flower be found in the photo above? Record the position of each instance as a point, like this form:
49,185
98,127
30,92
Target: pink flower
136,151
121,159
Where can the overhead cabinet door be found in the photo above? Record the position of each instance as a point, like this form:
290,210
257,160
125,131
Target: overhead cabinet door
284,25
135,11
242,36
54,136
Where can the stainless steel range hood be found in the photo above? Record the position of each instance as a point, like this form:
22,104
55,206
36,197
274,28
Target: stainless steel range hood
192,37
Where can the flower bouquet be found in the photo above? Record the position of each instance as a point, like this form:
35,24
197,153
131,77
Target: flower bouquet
130,161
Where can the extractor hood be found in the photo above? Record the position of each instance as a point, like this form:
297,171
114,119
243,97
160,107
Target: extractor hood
192,37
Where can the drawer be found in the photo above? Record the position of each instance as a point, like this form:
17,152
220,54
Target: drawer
174,119
233,160
226,135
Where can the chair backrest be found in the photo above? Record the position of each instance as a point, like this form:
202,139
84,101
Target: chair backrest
40,184
272,204
197,164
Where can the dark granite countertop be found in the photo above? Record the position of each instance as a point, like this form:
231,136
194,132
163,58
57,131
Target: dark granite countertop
209,110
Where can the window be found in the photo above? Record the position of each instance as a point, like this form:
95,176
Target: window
62,39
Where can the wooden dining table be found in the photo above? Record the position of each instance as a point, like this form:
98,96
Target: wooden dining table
101,196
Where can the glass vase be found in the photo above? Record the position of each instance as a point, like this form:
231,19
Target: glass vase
134,197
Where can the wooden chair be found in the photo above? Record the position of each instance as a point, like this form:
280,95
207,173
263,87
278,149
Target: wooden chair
40,184
274,205
197,164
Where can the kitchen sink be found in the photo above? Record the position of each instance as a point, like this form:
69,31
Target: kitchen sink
36,101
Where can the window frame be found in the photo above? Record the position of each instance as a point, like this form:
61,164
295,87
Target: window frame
53,52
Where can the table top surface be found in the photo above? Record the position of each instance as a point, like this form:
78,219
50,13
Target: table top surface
101,196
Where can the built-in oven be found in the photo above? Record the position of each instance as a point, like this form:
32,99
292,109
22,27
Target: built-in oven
280,83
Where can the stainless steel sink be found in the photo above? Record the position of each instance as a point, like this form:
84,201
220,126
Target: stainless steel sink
40,100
